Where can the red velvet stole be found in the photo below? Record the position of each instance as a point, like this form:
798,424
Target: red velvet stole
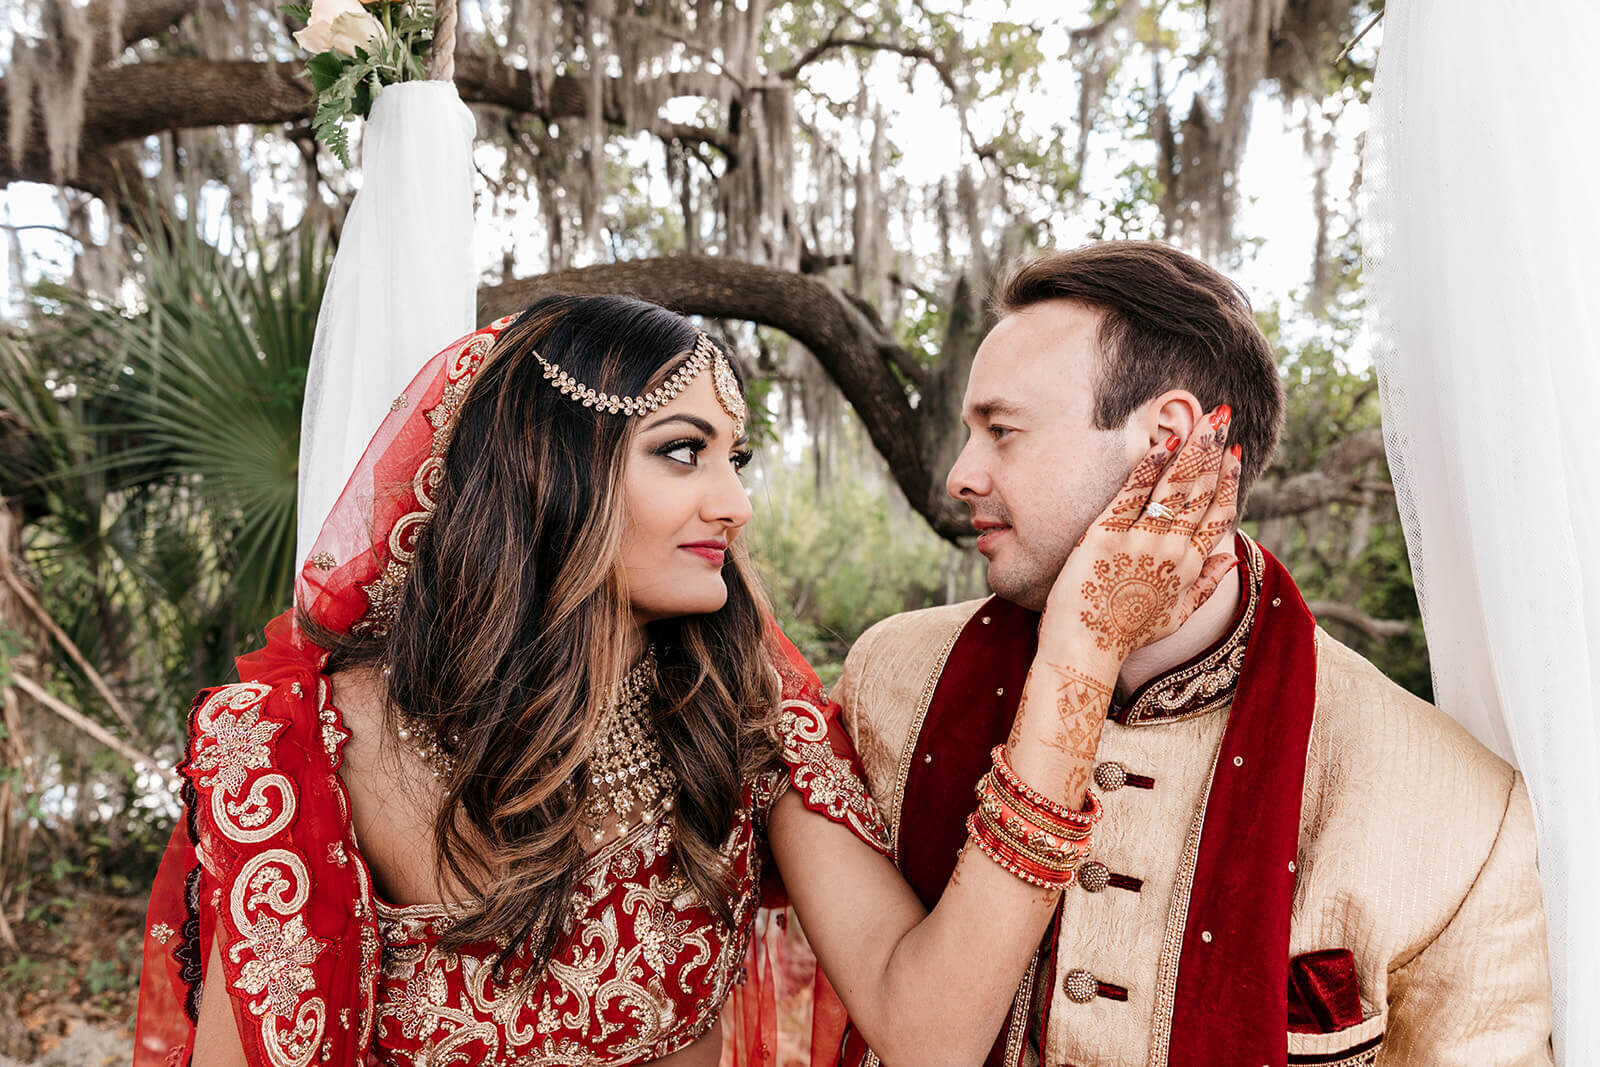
1232,991
1232,1001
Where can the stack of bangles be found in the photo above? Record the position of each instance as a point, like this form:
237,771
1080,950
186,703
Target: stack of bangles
1030,835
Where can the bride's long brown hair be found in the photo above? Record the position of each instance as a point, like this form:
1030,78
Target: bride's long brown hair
512,630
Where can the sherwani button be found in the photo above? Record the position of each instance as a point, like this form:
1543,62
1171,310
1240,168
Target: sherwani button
1094,876
1081,987
1110,776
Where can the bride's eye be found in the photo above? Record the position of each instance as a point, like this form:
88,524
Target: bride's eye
685,451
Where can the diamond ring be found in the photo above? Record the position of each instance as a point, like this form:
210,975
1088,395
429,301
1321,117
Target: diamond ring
1158,510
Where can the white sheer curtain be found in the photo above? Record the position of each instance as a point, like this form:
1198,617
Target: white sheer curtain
1483,238
403,284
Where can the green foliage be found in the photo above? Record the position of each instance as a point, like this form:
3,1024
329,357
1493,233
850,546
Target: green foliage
1351,552
837,560
347,84
159,468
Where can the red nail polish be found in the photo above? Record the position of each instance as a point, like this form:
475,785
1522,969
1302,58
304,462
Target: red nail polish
1221,417
1237,449
1173,443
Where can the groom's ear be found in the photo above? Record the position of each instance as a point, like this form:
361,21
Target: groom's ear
1175,412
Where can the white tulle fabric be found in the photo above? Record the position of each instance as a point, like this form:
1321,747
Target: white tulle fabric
403,284
1483,238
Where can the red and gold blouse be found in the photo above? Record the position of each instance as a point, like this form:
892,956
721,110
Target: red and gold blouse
320,970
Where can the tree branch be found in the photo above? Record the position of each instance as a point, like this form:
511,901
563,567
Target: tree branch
139,19
1342,475
89,726
831,44
136,100
1378,629
25,596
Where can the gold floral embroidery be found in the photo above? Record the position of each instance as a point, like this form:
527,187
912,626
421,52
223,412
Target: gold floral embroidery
824,777
162,933
231,739
383,592
266,904
235,738
323,561
282,967
333,735
638,976
383,596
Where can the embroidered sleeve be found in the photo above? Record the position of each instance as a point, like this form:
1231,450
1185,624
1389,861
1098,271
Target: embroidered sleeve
292,909
822,763
824,770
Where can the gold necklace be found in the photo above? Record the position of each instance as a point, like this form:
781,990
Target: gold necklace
423,740
627,771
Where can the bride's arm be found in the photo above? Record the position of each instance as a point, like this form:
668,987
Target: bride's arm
216,1031
934,987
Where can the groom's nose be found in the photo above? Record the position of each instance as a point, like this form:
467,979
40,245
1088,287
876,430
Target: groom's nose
968,478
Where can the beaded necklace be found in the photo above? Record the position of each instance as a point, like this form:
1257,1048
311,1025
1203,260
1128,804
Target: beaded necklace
627,770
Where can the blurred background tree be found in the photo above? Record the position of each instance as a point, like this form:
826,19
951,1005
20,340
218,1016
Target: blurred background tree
832,187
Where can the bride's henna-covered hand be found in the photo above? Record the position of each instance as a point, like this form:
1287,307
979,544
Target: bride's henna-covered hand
1146,563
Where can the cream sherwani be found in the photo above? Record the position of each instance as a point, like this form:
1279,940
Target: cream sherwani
1416,853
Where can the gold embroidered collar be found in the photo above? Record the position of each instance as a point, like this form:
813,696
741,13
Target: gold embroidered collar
1206,682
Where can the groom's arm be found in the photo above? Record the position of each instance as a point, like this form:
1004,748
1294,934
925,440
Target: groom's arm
1479,992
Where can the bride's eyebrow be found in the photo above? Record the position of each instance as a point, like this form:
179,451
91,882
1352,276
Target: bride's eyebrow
693,420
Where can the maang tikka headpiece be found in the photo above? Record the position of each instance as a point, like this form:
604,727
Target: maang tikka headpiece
705,355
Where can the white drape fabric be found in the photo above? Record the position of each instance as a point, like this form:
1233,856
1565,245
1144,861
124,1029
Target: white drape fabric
402,287
1483,241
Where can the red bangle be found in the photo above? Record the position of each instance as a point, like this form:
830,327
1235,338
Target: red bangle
1063,846
1036,803
1014,861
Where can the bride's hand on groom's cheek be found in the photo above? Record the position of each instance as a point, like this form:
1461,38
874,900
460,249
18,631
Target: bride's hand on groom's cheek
1146,563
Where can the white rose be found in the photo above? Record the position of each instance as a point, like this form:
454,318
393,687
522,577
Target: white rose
339,26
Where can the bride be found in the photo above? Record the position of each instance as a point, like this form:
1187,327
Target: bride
506,784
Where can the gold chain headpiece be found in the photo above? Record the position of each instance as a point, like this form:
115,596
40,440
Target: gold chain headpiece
705,355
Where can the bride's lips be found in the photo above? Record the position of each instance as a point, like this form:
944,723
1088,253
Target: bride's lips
713,552
989,532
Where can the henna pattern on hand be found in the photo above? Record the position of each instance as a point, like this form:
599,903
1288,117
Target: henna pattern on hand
1082,702
1125,581
1128,600
1081,705
1129,505
1205,538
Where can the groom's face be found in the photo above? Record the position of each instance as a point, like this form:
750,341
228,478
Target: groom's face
1035,471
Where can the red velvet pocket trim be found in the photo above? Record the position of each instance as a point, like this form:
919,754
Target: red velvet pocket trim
1324,994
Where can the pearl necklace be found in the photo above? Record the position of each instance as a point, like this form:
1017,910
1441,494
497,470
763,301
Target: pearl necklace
627,771
423,740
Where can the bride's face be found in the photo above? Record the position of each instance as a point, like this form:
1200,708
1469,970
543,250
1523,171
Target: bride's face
685,505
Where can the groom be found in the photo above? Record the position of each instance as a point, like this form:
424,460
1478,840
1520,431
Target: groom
1299,862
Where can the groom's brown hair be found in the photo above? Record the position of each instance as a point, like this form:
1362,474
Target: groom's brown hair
1168,322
